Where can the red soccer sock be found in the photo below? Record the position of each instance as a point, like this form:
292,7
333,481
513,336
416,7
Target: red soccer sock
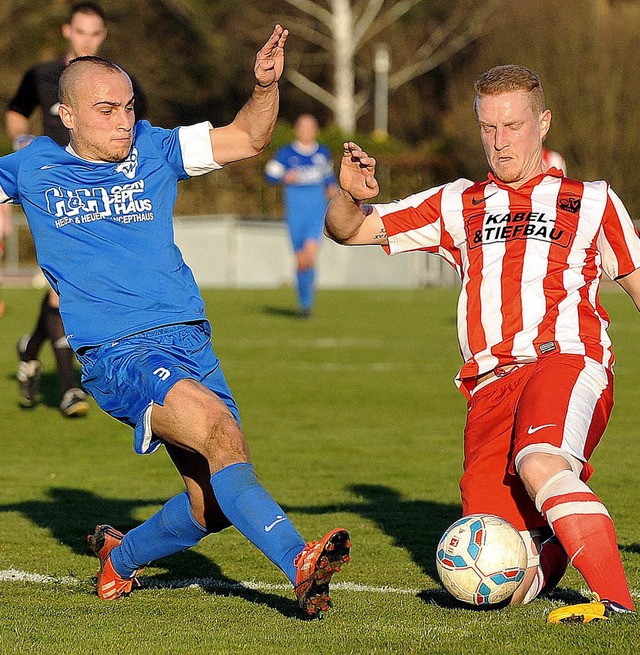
585,530
553,564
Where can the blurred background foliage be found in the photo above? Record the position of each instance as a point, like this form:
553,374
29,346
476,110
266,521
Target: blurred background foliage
194,58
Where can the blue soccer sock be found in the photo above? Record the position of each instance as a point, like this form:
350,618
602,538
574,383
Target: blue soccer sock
168,531
306,288
257,516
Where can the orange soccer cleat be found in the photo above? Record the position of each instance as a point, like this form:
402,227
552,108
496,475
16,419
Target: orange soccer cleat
109,585
316,564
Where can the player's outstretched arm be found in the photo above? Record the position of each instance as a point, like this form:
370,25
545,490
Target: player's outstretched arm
347,220
18,129
250,132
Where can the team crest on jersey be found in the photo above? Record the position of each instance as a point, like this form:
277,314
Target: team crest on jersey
129,166
569,204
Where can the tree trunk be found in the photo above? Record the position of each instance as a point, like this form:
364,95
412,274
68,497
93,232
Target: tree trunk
344,71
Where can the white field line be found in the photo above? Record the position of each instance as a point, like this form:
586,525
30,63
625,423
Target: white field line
13,575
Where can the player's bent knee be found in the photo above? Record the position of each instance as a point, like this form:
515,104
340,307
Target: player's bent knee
225,442
536,463
543,454
195,418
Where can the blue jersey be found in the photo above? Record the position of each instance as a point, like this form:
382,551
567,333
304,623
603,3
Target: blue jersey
104,231
314,170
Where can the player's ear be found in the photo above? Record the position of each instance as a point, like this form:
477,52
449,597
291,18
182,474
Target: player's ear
66,116
66,31
545,122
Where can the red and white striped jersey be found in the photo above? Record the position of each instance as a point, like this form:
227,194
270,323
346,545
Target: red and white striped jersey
530,261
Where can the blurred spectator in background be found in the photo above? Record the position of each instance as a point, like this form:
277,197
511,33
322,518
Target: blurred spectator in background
305,169
84,32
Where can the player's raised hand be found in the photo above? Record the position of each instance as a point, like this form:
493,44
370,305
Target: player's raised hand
270,58
357,172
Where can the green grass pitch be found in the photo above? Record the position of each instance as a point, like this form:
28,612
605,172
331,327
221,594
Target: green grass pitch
353,420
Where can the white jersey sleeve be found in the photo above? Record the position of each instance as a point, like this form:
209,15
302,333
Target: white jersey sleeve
197,153
618,241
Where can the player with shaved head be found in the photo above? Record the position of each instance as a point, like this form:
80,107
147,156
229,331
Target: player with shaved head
100,211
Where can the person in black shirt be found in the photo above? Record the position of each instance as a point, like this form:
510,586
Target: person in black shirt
84,32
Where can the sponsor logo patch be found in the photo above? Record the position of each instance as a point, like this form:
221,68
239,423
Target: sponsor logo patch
499,227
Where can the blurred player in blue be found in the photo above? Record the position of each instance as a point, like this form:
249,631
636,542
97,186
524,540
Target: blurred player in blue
100,211
305,169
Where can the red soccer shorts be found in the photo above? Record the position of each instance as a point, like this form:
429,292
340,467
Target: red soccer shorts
561,400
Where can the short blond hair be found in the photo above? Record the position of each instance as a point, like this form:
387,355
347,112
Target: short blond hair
509,78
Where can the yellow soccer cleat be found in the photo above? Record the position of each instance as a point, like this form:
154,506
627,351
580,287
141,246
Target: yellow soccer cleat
587,612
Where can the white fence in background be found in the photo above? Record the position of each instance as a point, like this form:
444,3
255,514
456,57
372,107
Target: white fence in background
225,251
229,251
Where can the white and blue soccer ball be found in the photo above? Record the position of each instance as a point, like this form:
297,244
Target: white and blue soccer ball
481,559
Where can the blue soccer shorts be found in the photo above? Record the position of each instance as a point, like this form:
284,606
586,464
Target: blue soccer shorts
304,228
304,215
128,376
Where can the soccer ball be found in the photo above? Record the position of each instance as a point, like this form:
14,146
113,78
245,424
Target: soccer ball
481,559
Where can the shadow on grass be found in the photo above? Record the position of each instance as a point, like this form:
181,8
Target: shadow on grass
444,600
415,525
287,312
70,514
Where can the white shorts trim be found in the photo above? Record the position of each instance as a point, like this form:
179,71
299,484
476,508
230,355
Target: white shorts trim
149,444
591,383
549,449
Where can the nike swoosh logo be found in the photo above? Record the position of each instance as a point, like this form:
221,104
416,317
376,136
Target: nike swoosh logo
47,166
479,201
533,430
279,519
